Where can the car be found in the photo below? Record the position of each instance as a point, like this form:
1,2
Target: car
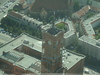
7,33
3,31
86,71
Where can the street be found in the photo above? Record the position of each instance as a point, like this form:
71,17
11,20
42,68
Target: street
91,70
4,38
5,10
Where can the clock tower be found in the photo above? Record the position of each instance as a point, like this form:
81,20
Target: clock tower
52,50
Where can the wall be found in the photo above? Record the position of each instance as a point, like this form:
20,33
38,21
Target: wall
69,40
89,49
29,51
77,68
96,23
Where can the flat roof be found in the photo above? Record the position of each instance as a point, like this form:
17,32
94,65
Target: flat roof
2,72
20,40
27,62
70,58
88,25
53,31
32,20
89,40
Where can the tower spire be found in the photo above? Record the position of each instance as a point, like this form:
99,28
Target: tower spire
53,26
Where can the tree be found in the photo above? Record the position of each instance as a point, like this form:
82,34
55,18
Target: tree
76,6
87,2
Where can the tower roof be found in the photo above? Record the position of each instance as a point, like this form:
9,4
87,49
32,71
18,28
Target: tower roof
53,31
49,5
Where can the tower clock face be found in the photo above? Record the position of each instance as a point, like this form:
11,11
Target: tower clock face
49,42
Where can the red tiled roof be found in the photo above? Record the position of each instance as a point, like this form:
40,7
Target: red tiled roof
21,1
25,6
85,9
95,9
15,14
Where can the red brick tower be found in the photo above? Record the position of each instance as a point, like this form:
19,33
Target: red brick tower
51,50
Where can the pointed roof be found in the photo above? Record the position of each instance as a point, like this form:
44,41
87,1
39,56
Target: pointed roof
49,5
43,12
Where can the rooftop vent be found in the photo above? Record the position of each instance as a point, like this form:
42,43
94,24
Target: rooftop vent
5,52
26,41
98,43
76,58
68,54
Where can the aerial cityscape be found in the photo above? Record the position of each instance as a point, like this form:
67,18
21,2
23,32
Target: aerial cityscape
49,37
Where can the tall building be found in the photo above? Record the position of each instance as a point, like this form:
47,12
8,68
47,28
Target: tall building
70,4
51,50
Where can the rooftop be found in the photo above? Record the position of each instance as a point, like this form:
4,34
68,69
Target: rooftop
85,10
69,24
20,40
22,60
53,31
25,17
89,40
70,58
1,72
15,14
90,23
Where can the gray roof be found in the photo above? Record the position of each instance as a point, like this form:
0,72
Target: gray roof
20,40
90,40
70,58
27,62
53,31
12,56
22,60
88,26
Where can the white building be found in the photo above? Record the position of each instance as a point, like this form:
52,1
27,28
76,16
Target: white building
90,46
90,23
24,19
69,35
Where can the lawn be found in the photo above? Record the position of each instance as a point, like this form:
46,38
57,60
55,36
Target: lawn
97,31
60,25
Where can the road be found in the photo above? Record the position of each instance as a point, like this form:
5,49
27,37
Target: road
4,38
2,2
2,14
91,71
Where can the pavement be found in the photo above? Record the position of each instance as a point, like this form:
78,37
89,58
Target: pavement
4,38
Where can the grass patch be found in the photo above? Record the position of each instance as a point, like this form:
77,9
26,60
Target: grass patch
97,31
60,25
